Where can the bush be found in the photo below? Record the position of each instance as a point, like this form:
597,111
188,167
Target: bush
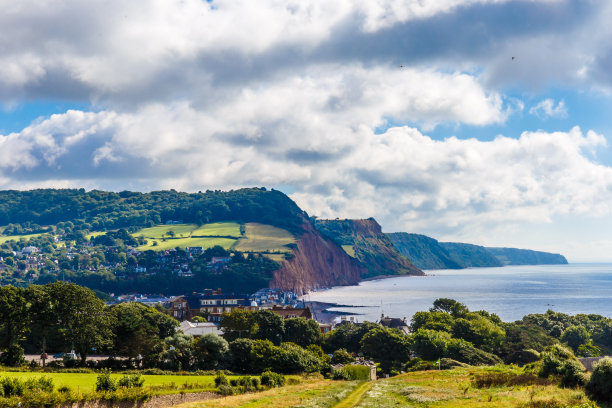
417,364
11,386
225,389
104,382
221,379
553,359
572,374
44,384
271,379
496,379
64,389
131,381
356,372
13,356
465,352
449,363
599,386
340,375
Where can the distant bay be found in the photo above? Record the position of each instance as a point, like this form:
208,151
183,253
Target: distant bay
511,292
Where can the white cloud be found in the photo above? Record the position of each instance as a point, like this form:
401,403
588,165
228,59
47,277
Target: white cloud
547,109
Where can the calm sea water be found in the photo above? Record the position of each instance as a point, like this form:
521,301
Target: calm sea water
511,292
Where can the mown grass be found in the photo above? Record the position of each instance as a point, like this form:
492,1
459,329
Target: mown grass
220,229
309,394
7,238
159,231
85,382
171,243
262,238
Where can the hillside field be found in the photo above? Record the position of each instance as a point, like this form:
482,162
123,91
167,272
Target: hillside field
264,238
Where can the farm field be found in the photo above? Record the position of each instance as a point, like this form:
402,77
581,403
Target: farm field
171,243
87,381
262,238
219,229
159,231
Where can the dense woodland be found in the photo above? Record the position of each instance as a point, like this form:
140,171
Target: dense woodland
102,210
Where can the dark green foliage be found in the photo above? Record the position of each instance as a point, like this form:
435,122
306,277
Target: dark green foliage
301,331
271,379
211,351
553,360
507,379
101,210
104,382
12,386
418,364
434,320
599,386
340,375
430,344
572,374
465,352
347,336
449,363
341,356
131,381
221,379
575,336
389,347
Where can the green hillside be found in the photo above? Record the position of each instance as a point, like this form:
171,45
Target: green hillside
424,252
513,256
470,256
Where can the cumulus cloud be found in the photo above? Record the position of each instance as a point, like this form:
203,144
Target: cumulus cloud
547,109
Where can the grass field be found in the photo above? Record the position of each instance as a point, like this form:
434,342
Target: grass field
7,238
452,388
87,382
310,393
260,237
180,230
94,234
220,229
186,242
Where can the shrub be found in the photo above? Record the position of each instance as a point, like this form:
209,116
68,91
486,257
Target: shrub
449,363
11,386
221,379
357,372
13,356
465,352
572,374
234,382
255,382
104,382
340,375
131,381
39,384
225,389
64,389
496,379
553,359
272,379
599,386
417,364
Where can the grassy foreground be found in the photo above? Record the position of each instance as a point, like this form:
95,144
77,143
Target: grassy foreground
452,388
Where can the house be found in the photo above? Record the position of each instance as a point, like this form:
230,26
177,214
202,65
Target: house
288,311
325,328
211,303
140,269
198,329
29,250
395,323
194,250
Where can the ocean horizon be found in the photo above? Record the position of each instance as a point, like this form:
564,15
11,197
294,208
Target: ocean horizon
511,292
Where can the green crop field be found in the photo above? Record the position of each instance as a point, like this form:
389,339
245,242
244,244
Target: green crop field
349,249
87,381
260,237
186,242
220,229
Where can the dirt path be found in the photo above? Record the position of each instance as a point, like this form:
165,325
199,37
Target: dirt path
354,397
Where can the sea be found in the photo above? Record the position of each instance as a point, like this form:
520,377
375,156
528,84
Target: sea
511,292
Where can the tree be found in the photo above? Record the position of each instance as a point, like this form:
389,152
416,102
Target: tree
179,352
390,347
138,328
433,320
14,321
211,351
268,326
575,336
430,344
302,332
599,386
237,324
81,317
42,317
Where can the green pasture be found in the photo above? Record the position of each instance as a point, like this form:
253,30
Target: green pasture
349,249
219,229
262,238
171,243
159,231
7,238
94,234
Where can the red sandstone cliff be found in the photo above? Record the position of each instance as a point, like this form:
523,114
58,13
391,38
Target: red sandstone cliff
318,262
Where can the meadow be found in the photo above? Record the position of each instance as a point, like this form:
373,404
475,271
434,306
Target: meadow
264,238
446,388
7,238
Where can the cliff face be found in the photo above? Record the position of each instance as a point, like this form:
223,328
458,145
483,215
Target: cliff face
470,256
373,250
317,263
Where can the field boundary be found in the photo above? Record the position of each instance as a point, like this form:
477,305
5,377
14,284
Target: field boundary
158,401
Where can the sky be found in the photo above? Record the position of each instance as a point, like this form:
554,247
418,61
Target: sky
481,121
